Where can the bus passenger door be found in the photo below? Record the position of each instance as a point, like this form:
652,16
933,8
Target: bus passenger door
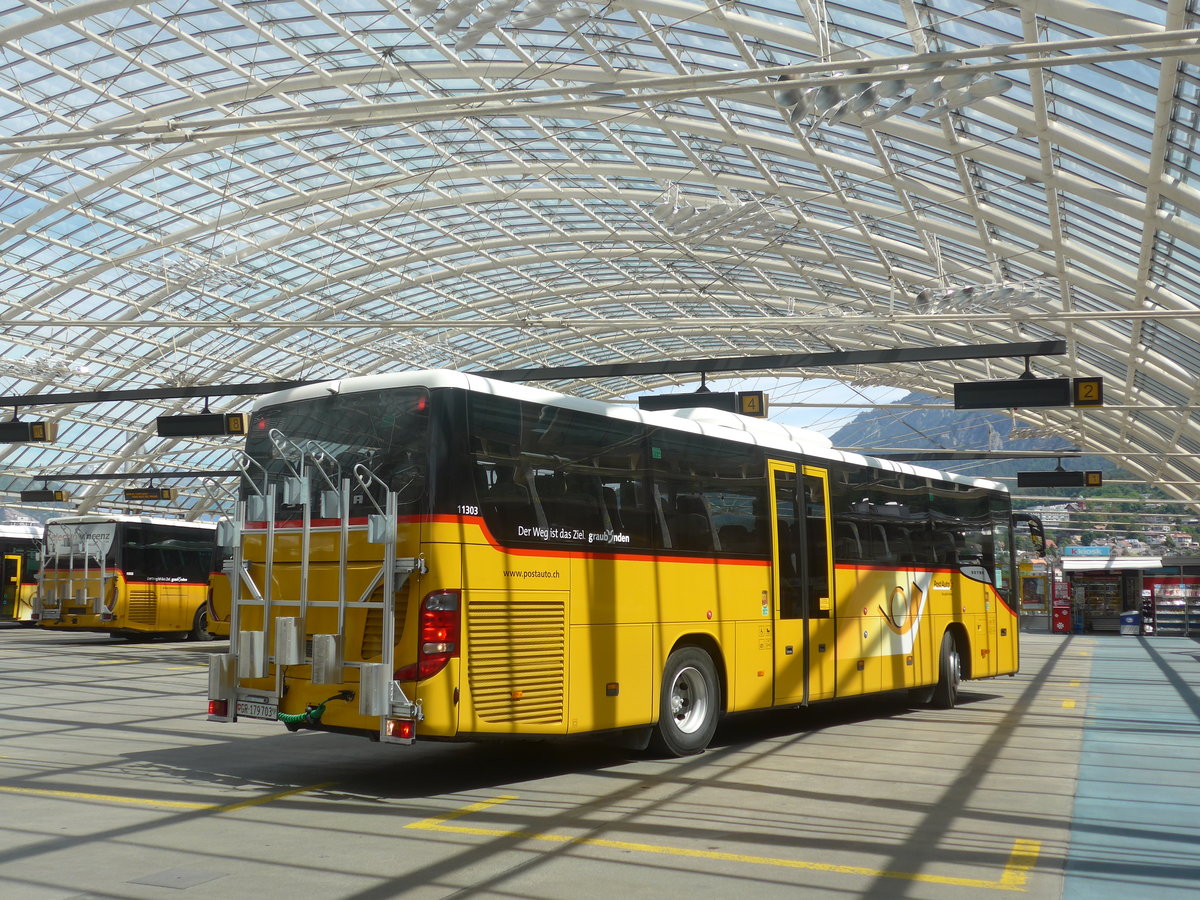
801,550
10,585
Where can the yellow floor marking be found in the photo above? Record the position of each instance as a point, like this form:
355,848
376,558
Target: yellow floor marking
115,662
162,804
270,798
1074,684
1022,859
183,668
1068,704
107,798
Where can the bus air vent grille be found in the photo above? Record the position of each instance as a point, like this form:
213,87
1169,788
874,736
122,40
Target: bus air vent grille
517,661
372,641
143,607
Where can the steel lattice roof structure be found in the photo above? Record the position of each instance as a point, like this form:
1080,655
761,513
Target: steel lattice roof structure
200,191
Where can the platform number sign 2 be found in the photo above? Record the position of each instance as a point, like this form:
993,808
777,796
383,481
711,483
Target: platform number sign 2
1088,392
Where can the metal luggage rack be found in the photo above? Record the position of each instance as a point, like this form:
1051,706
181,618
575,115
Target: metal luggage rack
378,694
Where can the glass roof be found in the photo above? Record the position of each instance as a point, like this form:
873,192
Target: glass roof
200,192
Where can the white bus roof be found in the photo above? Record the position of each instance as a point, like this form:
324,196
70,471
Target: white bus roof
730,426
20,530
144,520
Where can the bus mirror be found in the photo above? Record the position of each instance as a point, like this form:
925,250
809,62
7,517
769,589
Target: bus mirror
1037,531
227,534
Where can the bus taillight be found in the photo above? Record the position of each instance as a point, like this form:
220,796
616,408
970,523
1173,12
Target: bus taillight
438,629
218,709
401,729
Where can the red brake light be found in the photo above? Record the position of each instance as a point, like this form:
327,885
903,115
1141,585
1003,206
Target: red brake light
218,708
438,636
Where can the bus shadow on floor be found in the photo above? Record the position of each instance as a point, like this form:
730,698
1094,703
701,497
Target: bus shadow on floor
373,771
773,724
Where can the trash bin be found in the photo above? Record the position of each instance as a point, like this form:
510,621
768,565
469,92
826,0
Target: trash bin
1131,623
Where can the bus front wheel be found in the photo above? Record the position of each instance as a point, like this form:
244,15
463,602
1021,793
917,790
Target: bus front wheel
945,694
689,703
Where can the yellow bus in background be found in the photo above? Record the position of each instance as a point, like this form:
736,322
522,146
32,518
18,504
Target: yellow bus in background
20,560
439,556
129,576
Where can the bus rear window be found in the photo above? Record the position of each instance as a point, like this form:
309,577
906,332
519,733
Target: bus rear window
380,437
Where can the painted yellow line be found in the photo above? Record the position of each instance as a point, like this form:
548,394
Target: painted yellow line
435,821
115,662
270,798
184,668
1068,704
1023,858
1075,684
106,798
157,803
1012,879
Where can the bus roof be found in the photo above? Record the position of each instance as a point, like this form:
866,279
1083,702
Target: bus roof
730,426
21,530
144,520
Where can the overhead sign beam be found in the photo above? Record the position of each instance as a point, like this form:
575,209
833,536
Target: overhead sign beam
921,455
133,476
727,364
781,361
199,390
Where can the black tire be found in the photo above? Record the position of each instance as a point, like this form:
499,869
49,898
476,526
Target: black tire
199,630
945,693
689,703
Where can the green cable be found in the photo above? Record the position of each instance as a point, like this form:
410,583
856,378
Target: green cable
310,716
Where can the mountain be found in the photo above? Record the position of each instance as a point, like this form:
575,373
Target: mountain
889,428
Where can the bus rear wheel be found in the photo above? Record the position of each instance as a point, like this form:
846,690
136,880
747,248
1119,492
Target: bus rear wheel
945,693
689,703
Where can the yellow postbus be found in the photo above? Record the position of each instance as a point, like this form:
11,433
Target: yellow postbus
436,555
20,560
129,576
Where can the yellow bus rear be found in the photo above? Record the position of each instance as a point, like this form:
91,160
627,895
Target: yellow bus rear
128,576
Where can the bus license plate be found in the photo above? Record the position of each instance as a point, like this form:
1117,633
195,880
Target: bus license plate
251,710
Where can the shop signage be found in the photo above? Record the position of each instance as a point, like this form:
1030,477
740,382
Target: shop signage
1087,551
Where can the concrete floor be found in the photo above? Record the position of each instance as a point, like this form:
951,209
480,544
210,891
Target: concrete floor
114,785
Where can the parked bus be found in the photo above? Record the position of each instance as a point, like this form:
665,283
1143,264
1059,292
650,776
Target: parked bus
21,550
129,576
437,555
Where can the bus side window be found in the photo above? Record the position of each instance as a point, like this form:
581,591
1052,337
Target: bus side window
506,504
688,523
846,545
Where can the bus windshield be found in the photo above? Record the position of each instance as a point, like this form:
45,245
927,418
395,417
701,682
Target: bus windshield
379,437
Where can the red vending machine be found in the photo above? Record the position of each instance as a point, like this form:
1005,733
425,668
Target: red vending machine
1060,608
